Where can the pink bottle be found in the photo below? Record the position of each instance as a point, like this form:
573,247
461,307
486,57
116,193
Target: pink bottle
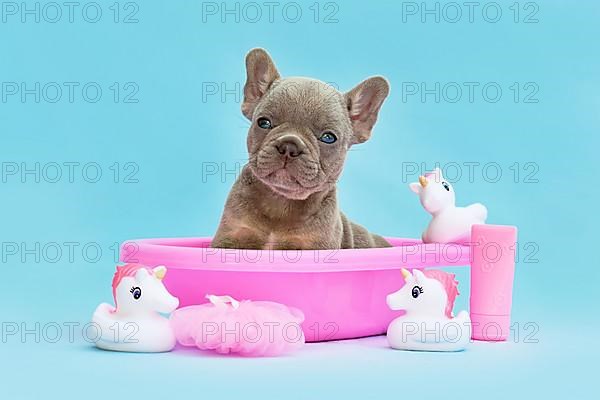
492,274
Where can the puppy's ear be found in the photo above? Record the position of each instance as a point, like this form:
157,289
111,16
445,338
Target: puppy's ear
260,74
364,102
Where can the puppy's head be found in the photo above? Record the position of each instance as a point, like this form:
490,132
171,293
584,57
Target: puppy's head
302,128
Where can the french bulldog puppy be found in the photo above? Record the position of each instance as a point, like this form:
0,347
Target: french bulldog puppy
301,130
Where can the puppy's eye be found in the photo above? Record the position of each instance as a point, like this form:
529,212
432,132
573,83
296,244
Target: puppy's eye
328,137
264,123
446,186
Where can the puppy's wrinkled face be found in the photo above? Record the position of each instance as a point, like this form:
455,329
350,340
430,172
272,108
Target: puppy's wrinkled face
301,129
299,137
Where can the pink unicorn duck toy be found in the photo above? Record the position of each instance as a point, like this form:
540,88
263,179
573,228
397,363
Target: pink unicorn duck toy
134,324
428,325
449,223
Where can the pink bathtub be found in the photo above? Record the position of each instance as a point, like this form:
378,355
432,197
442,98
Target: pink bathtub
341,292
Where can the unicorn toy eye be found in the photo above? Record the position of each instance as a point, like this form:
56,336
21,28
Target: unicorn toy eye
416,291
446,186
136,292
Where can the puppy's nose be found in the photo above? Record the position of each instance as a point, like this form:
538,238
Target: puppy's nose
289,146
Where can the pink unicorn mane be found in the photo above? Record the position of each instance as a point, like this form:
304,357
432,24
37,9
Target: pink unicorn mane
122,272
449,283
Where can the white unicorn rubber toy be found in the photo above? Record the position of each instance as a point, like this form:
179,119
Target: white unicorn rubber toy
134,324
449,224
428,325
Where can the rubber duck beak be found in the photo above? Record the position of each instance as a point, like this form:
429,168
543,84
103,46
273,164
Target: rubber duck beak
423,181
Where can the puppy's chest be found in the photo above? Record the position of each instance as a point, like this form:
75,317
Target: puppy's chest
285,240
270,242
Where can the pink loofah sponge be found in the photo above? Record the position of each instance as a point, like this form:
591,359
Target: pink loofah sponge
250,328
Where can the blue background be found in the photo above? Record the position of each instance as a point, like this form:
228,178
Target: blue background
166,141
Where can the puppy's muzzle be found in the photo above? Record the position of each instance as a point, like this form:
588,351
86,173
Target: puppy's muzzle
290,146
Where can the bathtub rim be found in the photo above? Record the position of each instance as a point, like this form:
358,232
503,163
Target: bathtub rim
193,253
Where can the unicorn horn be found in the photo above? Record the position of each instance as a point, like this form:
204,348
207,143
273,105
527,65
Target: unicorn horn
405,273
423,181
159,272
